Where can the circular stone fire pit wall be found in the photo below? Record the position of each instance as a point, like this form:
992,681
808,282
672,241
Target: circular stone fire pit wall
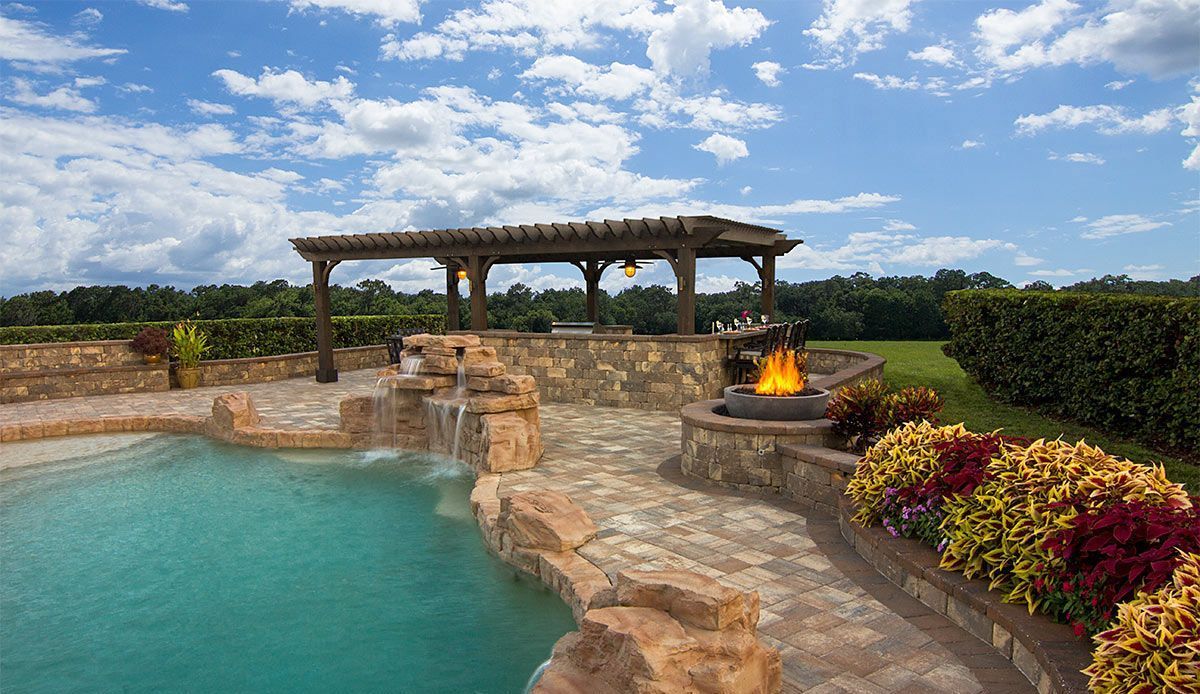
741,453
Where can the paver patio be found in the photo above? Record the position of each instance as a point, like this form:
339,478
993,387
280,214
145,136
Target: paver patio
840,626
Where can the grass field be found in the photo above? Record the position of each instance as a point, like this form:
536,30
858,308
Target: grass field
923,364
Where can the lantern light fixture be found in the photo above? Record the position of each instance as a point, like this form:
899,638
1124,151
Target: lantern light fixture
630,268
462,273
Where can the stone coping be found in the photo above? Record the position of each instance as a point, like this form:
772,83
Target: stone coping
1048,654
258,437
834,461
703,415
604,337
867,364
48,345
79,370
287,357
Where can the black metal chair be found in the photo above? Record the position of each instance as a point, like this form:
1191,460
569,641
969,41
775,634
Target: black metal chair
395,343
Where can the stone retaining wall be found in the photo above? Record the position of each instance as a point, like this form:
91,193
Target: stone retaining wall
647,372
49,384
67,355
229,372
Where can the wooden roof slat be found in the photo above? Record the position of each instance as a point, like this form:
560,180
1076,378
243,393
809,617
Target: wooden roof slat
556,242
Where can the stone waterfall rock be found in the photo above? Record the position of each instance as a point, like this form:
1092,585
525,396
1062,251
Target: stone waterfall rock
510,441
234,411
357,414
544,519
655,640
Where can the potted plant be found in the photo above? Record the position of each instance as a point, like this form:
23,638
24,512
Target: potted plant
152,344
189,344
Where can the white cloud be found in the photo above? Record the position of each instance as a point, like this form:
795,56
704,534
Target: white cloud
897,225
758,214
887,81
1060,272
715,284
287,87
66,97
849,27
1145,272
872,250
1023,259
940,54
1152,37
208,108
387,13
29,43
768,72
1078,158
528,27
88,17
1108,120
1120,224
971,144
1118,85
169,5
134,88
746,190
666,108
682,40
615,81
723,147
1190,115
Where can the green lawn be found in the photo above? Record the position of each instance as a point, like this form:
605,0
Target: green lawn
923,364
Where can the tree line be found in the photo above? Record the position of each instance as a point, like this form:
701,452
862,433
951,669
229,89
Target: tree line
858,307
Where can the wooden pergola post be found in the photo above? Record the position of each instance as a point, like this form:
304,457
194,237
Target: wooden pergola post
685,277
477,274
453,317
766,276
591,277
326,371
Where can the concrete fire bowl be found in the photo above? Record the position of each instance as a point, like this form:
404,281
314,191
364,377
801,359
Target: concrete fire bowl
743,403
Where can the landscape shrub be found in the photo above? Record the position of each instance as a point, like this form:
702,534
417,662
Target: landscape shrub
1002,530
1125,364
905,457
243,337
1109,553
1154,644
865,410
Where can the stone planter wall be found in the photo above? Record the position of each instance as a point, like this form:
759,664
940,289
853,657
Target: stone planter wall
67,355
50,384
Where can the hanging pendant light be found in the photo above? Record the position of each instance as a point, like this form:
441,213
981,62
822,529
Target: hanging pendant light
630,268
462,273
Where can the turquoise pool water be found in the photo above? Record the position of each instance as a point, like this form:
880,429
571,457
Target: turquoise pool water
182,564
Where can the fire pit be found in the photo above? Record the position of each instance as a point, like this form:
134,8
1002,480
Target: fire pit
782,392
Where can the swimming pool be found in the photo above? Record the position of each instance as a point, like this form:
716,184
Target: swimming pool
182,564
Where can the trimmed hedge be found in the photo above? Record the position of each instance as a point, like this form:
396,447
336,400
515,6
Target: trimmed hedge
234,338
1124,364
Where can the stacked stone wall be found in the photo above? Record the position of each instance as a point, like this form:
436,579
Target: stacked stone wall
648,372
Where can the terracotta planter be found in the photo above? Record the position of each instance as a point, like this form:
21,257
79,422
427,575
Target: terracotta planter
188,378
152,358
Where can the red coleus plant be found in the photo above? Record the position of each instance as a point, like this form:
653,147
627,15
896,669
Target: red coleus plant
1111,553
964,461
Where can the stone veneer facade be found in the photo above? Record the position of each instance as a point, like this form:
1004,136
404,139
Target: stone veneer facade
230,372
648,372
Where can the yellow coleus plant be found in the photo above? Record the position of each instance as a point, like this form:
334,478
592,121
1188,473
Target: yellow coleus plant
905,456
1154,644
999,532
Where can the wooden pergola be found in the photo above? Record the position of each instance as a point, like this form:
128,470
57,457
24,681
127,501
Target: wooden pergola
592,247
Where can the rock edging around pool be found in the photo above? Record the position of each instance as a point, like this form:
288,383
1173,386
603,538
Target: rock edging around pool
652,631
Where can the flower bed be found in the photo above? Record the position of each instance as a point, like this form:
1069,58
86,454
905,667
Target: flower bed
1058,527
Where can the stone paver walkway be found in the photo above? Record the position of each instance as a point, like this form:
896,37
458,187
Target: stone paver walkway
840,626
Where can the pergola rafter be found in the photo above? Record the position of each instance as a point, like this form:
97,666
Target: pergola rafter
590,246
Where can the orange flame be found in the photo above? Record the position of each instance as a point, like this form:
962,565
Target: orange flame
784,372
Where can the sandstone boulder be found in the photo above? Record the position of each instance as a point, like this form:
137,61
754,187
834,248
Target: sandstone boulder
440,364
544,519
690,597
478,355
647,648
508,442
512,384
499,402
485,369
357,414
234,411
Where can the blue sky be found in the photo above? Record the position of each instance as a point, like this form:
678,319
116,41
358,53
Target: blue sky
169,141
